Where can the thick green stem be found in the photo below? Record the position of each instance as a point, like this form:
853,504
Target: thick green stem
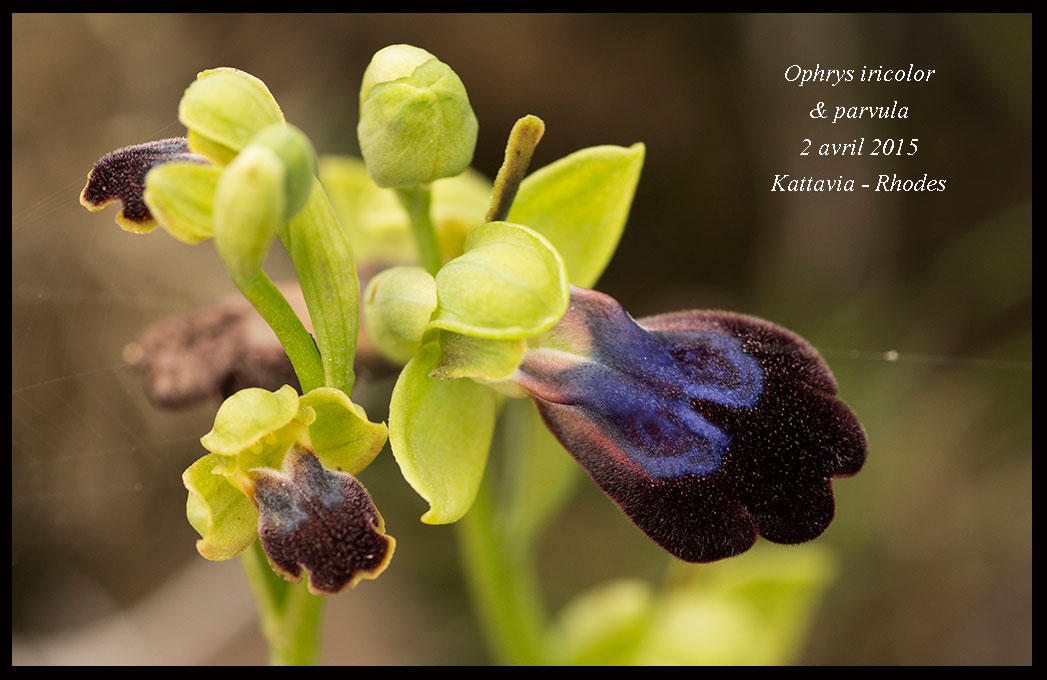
503,586
277,312
417,201
290,615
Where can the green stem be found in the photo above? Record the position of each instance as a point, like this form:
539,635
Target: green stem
290,615
418,202
503,586
277,312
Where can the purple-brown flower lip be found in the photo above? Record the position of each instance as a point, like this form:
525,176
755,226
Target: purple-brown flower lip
706,428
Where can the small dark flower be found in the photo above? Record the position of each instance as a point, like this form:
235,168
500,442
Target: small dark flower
706,428
120,175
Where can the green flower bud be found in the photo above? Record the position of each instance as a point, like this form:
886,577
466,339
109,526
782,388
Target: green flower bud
299,158
416,124
249,207
397,305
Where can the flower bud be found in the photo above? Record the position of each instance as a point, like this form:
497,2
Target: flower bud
249,207
397,305
416,124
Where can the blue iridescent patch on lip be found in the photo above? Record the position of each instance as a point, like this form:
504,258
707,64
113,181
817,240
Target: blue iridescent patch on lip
649,400
642,388
706,428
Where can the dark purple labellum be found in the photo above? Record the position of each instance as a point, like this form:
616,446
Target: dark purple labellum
321,520
706,428
120,175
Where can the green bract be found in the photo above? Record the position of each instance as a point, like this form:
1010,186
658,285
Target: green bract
580,203
440,432
223,109
509,284
415,126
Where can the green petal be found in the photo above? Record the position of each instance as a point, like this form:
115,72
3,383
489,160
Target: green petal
440,432
479,358
226,519
509,284
226,107
248,417
181,197
343,437
581,203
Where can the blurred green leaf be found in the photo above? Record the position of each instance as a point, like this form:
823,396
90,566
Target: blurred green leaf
754,609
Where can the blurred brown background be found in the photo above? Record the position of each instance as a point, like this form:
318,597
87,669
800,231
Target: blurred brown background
933,537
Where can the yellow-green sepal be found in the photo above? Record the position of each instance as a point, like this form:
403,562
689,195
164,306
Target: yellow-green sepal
440,432
223,109
222,514
342,436
581,203
181,198
509,284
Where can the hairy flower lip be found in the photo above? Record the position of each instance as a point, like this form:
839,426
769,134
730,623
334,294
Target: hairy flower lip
320,521
706,428
120,176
